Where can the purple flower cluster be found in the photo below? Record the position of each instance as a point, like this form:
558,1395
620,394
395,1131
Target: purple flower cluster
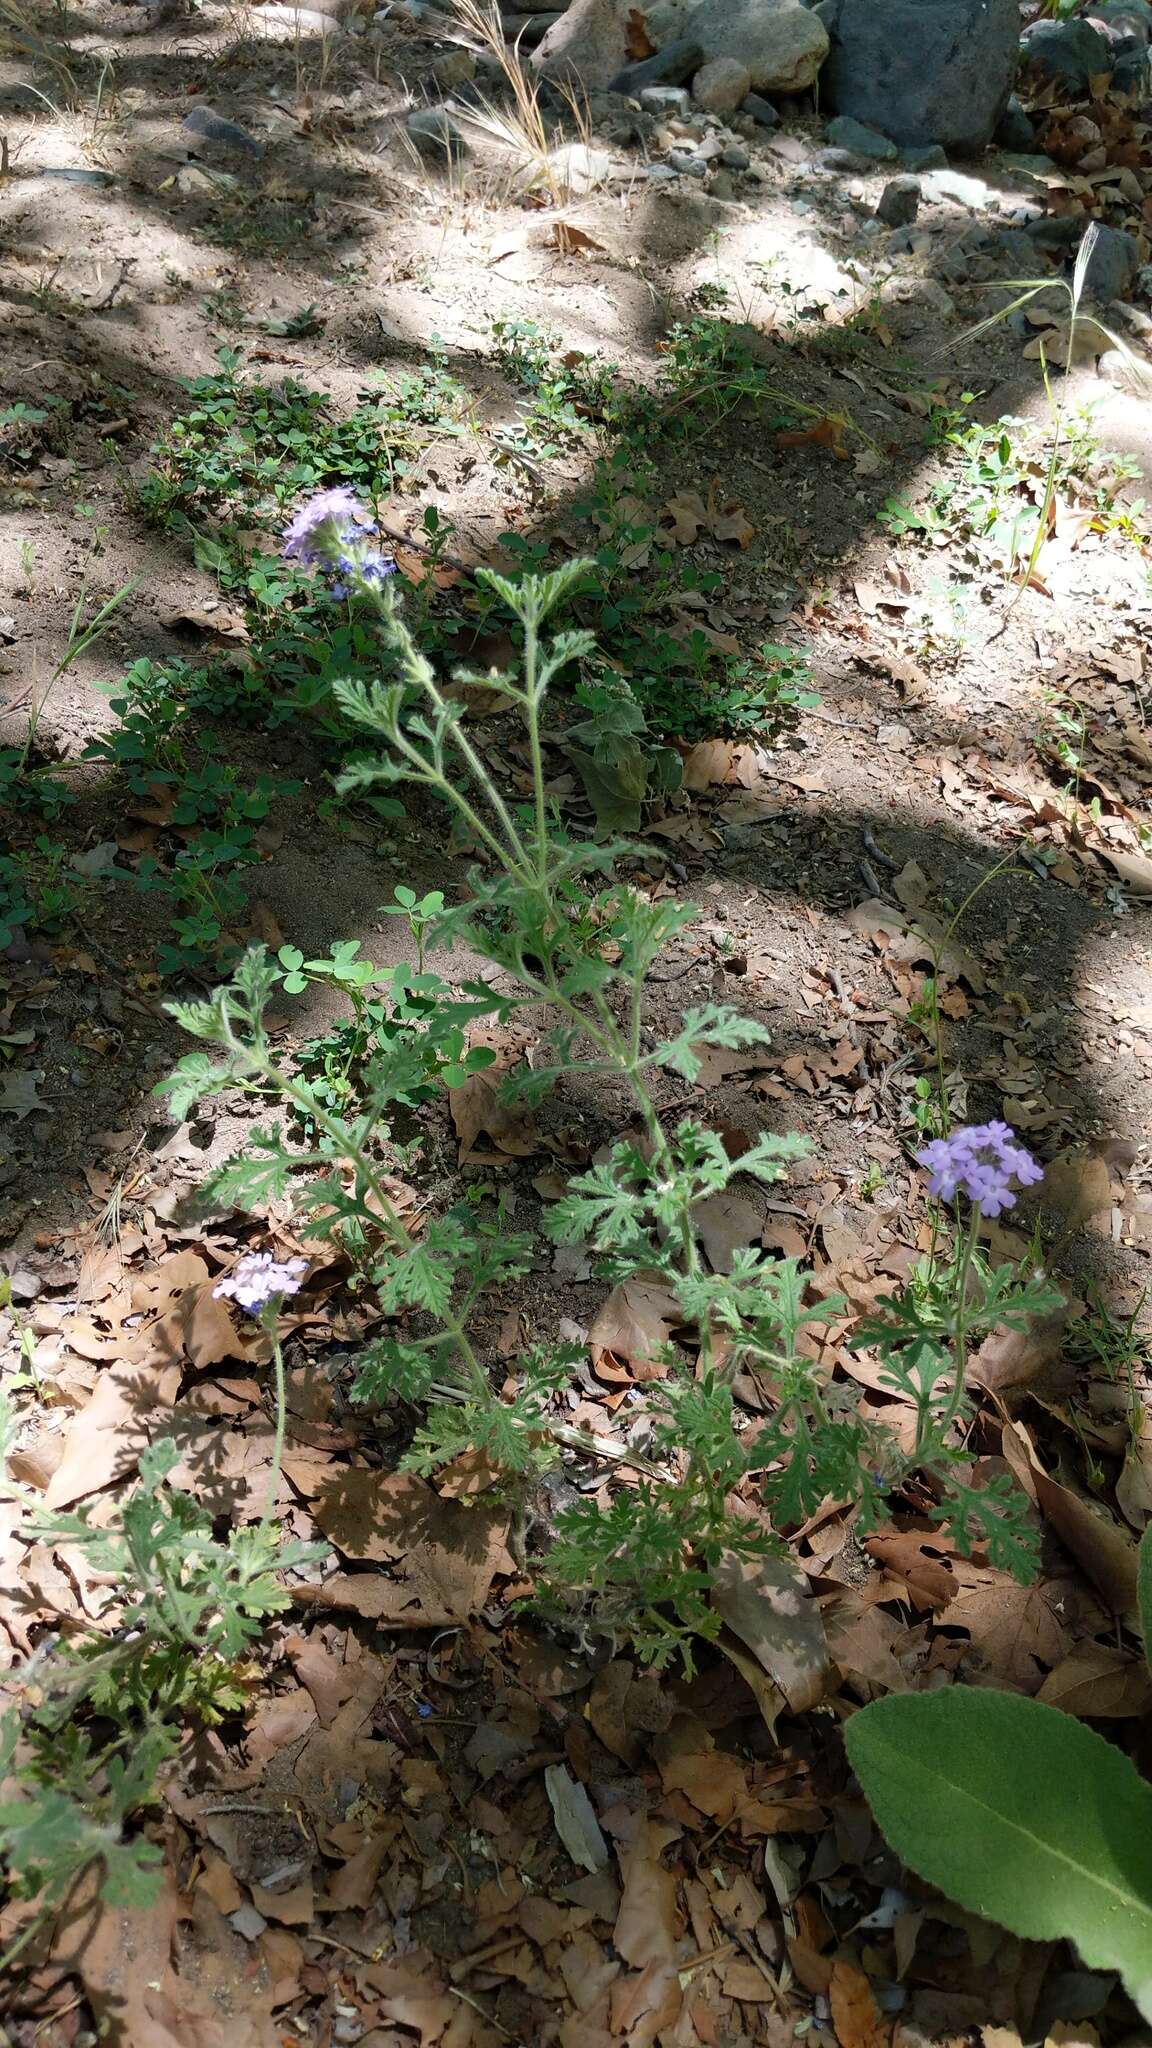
257,1278
332,532
984,1160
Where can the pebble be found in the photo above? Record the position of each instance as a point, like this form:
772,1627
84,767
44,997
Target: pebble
23,1285
1125,372
1113,263
899,202
580,167
286,24
722,186
970,192
204,124
735,158
760,110
846,133
434,134
1014,129
686,164
661,174
721,86
665,99
76,175
929,157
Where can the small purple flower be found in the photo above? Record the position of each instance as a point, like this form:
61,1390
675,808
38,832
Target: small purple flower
332,533
983,1160
257,1278
318,528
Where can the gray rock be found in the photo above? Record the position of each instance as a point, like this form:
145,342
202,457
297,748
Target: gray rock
670,66
1018,249
579,168
435,135
1056,231
1125,372
665,99
928,158
760,110
962,190
524,31
1130,73
1014,130
75,174
899,202
722,187
204,125
843,160
1113,262
1070,52
721,85
662,174
734,158
782,46
283,24
846,133
924,70
686,165
23,1285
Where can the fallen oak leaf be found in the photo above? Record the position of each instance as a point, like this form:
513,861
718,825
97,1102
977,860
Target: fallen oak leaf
682,518
857,2018
573,241
826,432
729,521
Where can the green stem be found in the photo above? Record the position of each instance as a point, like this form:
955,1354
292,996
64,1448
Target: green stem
280,1394
955,1400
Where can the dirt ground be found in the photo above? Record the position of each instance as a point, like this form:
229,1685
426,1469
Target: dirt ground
396,1771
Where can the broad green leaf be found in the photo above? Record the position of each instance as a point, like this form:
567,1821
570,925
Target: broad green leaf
1019,1813
1144,1589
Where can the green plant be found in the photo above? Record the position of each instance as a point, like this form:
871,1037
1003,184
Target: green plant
539,910
1020,1813
81,1761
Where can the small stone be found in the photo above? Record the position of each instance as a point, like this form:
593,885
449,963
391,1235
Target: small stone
930,157
1014,130
23,1285
453,69
721,86
435,135
686,165
665,99
1130,73
580,167
291,24
670,66
1112,264
899,202
923,292
953,185
845,133
1125,372
661,174
1055,231
248,1922
722,186
204,125
843,160
760,110
734,158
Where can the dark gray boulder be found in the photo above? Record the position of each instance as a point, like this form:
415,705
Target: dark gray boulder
1067,52
924,70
